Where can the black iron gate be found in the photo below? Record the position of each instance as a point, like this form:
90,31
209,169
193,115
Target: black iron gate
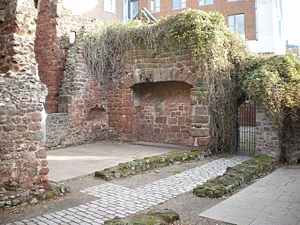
246,128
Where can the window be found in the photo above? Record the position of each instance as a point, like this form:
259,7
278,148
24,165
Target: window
154,5
206,2
133,8
236,23
233,0
178,4
110,6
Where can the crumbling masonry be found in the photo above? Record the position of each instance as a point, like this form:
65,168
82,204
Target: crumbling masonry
150,97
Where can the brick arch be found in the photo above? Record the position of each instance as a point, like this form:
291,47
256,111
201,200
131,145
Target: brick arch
183,75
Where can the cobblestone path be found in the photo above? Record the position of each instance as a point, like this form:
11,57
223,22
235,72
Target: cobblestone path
117,201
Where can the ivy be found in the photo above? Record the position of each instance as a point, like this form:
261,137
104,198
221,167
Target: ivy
226,70
274,81
218,52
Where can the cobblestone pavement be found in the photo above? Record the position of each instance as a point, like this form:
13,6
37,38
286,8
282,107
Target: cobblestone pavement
117,201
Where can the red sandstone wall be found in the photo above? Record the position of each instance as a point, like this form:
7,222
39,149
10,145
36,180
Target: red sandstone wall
23,164
163,113
17,34
47,52
54,25
82,103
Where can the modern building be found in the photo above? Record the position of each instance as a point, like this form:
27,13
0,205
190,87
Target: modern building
258,21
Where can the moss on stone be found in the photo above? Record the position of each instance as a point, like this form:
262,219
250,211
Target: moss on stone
150,218
235,176
148,163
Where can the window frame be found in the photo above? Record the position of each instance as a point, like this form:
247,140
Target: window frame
130,13
182,4
109,6
235,23
205,2
156,6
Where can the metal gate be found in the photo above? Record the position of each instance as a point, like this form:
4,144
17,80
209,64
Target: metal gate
246,128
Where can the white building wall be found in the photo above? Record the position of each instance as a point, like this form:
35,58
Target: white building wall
268,26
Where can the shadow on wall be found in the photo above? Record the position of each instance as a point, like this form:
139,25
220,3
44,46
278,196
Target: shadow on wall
163,112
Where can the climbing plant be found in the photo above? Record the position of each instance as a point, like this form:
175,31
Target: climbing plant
216,50
274,81
227,70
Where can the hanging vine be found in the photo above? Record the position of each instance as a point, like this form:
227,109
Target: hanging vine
216,50
229,71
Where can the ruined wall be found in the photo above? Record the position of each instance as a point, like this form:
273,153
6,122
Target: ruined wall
163,112
57,126
132,120
266,133
291,140
51,47
82,103
17,34
149,97
23,165
47,52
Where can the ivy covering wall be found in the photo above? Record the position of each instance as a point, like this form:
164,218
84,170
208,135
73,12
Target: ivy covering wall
227,70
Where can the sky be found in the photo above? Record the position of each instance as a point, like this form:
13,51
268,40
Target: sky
291,17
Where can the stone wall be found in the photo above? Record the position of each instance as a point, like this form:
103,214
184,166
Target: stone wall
291,140
23,165
152,117
47,51
57,127
82,106
51,47
17,34
266,134
200,118
163,112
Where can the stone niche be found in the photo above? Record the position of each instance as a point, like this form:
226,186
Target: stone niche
154,97
163,112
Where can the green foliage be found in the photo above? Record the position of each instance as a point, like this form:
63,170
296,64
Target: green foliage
217,51
204,34
275,82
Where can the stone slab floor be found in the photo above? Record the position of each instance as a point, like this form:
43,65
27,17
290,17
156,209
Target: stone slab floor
111,199
273,200
68,163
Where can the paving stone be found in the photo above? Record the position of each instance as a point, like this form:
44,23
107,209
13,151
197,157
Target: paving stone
114,200
259,204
